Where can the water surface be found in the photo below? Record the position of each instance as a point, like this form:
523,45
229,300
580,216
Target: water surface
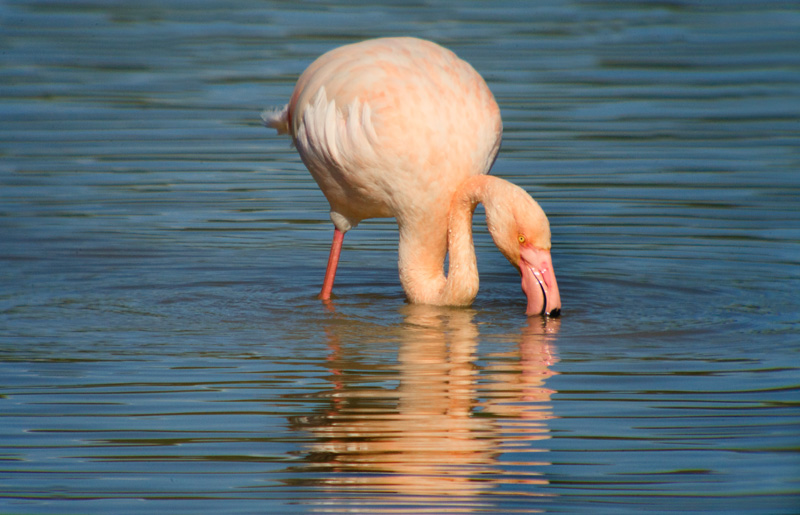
161,348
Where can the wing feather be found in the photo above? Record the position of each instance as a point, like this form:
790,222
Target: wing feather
340,136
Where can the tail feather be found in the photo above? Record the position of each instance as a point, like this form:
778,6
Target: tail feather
277,119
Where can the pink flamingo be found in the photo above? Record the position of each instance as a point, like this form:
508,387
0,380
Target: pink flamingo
403,128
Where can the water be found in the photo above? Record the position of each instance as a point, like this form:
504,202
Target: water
161,349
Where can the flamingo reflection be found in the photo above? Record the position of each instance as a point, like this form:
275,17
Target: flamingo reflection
442,431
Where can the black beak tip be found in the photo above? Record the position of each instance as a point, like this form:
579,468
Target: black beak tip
555,313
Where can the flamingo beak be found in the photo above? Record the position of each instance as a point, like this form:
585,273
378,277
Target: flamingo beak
539,282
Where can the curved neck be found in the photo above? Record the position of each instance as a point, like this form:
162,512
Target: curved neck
425,241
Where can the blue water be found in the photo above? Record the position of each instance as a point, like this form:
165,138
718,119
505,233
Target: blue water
161,347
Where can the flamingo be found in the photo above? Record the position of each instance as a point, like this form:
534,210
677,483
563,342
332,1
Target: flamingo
401,127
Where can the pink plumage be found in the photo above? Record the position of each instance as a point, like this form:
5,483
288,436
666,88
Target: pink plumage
403,128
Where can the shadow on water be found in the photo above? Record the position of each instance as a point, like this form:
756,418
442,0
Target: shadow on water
430,431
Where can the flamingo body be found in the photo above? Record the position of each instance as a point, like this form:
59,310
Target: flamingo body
399,127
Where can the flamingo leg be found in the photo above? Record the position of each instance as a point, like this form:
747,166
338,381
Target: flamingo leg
333,262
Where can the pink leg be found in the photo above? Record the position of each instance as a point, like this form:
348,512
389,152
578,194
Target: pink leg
333,262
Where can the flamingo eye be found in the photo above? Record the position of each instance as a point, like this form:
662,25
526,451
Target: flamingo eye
521,239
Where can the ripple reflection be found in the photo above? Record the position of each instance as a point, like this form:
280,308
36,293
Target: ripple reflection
441,426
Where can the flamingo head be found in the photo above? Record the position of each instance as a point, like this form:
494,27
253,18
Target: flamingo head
520,229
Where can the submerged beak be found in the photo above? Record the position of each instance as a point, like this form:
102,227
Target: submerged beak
539,282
